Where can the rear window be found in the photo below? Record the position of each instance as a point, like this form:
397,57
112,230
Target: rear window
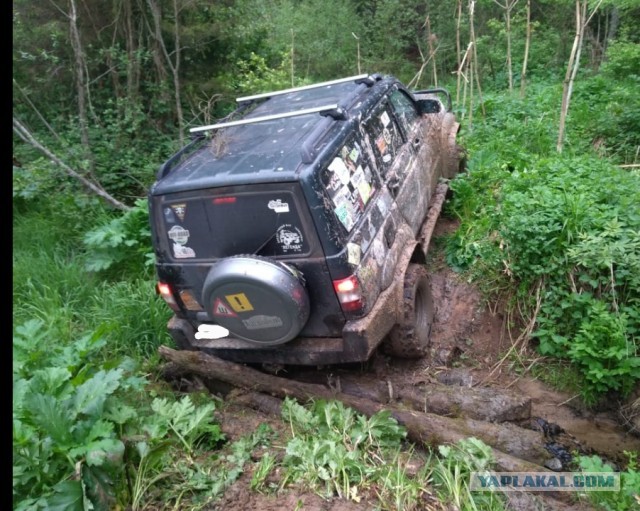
261,222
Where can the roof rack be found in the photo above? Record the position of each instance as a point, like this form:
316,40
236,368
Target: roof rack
334,111
369,80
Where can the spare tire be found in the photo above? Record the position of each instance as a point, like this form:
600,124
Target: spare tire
256,299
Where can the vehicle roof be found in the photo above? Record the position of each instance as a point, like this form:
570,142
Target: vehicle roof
266,151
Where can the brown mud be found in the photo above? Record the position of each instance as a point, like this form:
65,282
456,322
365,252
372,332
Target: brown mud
469,339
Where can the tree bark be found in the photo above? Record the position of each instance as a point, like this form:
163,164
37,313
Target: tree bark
525,446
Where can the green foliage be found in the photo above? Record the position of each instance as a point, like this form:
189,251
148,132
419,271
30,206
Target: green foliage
256,76
451,472
186,422
59,427
133,316
564,224
123,243
333,449
80,426
50,281
629,495
615,131
623,60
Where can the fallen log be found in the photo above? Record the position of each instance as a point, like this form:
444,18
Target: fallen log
482,403
515,449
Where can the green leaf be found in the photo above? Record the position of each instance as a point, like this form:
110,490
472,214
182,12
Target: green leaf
107,450
68,497
52,416
49,380
120,413
98,488
91,395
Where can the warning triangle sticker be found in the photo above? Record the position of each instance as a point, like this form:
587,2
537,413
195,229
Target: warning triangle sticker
220,308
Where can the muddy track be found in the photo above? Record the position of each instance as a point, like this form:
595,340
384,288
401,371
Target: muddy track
469,337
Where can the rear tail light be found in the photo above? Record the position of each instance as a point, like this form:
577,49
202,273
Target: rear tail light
349,294
165,291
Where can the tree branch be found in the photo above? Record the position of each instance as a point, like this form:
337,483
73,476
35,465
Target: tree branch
27,137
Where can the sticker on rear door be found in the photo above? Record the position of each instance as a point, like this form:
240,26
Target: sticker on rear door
180,236
278,206
180,210
353,254
290,239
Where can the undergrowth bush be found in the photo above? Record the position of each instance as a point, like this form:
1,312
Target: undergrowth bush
122,243
628,497
90,433
561,230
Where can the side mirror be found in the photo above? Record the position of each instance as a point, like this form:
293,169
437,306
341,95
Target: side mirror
428,106
419,96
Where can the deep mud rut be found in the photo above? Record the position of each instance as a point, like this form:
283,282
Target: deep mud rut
468,340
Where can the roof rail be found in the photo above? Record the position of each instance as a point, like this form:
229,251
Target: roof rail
334,111
358,79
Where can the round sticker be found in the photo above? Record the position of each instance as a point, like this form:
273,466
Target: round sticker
289,238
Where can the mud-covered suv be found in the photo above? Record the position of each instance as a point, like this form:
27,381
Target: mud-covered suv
295,230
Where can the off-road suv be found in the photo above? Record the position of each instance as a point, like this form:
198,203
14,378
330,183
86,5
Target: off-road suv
295,230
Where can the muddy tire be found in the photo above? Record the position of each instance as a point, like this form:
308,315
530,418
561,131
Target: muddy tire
412,336
454,155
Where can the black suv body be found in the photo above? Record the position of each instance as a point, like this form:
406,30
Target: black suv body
295,231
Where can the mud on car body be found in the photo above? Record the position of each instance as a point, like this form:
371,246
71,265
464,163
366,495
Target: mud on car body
297,227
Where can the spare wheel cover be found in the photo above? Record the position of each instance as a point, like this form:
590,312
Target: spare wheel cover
256,299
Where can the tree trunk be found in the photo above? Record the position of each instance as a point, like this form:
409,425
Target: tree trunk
508,7
458,51
573,65
525,446
432,53
133,62
81,86
527,43
474,63
174,65
509,66
612,27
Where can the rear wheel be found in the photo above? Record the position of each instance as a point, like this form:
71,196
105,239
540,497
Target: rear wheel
412,336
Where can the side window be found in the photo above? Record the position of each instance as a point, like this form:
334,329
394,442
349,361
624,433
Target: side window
385,137
404,110
350,182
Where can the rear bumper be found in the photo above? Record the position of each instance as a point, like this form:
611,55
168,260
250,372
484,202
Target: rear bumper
359,339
